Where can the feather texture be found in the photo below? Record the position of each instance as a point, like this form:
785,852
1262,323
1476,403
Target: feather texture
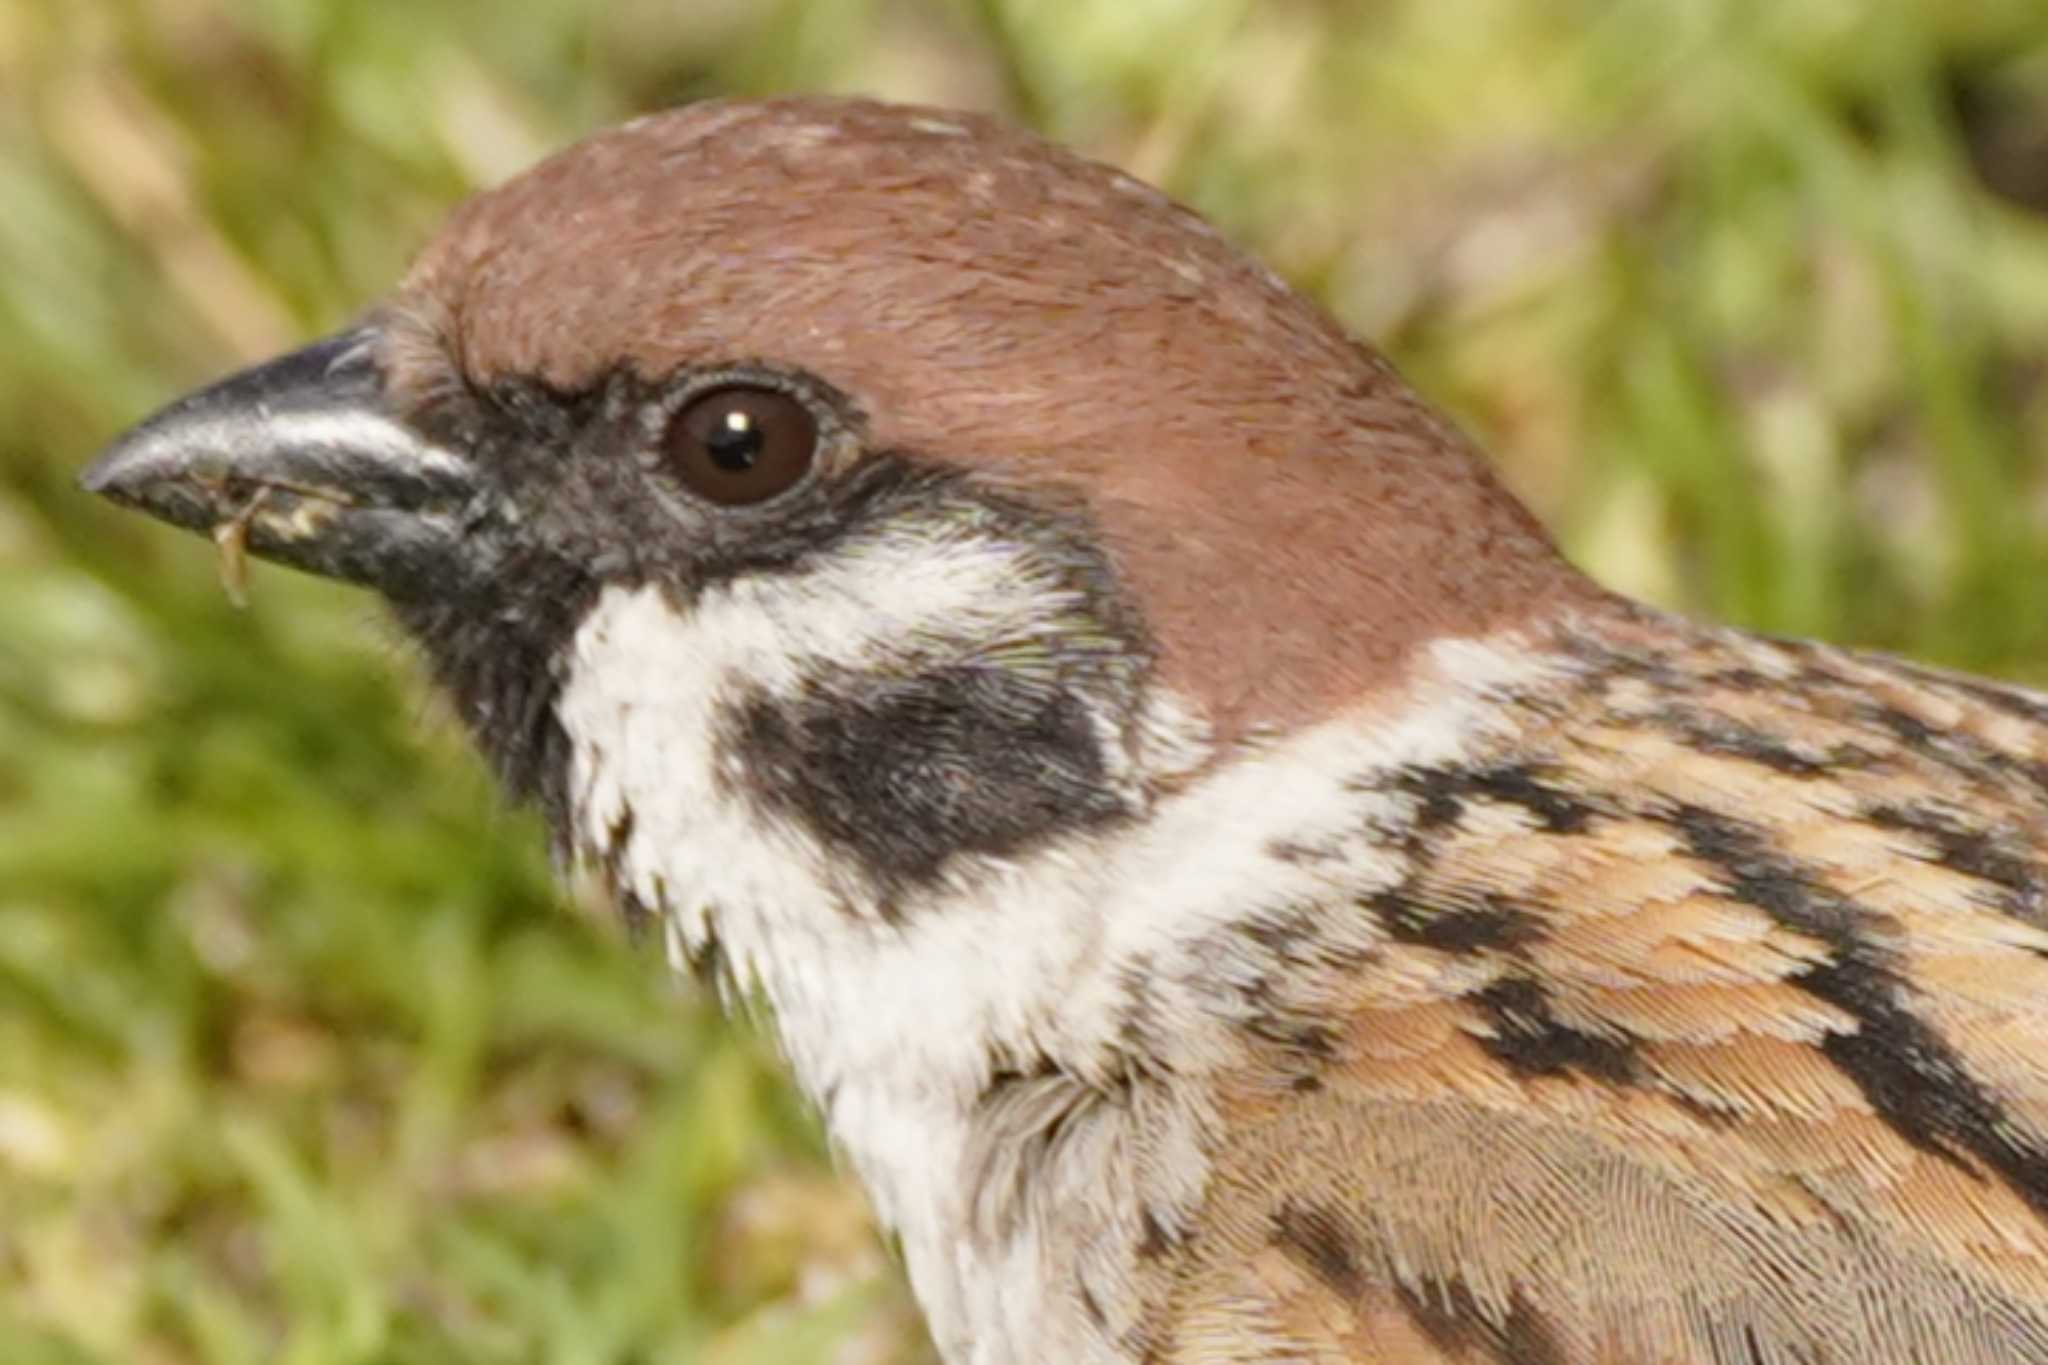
1708,1022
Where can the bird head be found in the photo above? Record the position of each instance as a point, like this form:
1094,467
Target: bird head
935,491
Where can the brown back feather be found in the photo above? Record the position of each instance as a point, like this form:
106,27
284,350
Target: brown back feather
1711,1026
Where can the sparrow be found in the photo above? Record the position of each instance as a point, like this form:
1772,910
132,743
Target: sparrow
1230,889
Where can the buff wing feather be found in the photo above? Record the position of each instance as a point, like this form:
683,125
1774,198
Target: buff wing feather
1708,1022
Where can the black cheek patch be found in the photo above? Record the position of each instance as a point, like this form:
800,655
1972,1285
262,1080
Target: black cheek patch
903,772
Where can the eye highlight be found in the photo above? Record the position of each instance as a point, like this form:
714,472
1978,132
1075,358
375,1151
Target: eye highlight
741,444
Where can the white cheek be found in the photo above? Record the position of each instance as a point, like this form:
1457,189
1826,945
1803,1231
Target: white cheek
646,686
646,683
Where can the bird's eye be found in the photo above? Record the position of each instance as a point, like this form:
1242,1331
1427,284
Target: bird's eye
738,445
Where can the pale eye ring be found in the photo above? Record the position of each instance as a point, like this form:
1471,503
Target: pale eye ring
741,443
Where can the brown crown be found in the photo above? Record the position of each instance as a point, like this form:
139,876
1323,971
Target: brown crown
1291,517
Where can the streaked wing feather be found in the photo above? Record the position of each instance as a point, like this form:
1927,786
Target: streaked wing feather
1730,1042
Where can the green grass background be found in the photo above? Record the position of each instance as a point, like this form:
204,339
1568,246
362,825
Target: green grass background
302,1056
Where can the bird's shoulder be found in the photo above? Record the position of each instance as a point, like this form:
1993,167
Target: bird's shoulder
1697,1010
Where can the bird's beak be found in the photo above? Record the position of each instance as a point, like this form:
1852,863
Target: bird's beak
303,461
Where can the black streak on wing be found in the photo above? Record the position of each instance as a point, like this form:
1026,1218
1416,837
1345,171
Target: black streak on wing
1714,734
1530,1041
1972,852
1487,924
1962,754
1450,1315
1910,1075
1324,1244
1443,793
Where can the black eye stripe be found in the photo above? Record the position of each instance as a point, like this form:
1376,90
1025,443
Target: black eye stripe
741,444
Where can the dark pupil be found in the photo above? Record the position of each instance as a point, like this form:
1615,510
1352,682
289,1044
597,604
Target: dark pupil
742,444
734,442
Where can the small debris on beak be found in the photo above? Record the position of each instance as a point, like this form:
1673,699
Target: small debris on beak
232,536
